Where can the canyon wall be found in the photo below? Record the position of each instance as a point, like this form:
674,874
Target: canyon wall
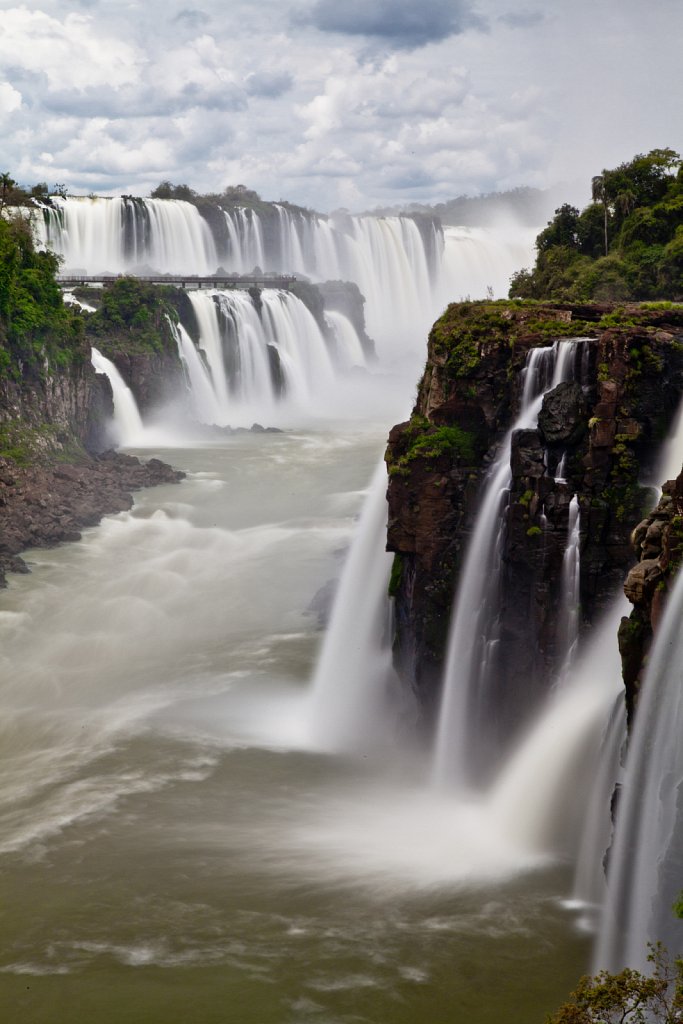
597,438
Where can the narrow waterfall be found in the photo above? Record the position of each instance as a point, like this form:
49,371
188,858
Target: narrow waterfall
204,403
348,705
606,768
474,627
349,349
568,621
540,792
644,879
669,465
127,420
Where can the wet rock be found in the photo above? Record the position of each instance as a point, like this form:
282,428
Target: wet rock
528,454
562,419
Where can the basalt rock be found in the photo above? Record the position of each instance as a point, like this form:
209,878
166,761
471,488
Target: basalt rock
562,419
658,544
43,505
597,437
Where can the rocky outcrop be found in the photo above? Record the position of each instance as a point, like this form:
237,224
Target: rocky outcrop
345,297
658,544
596,436
42,505
55,410
56,474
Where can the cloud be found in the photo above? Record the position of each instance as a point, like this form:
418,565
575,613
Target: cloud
268,84
193,18
522,19
10,99
403,24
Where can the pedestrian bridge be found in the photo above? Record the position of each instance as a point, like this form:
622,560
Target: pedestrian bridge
187,281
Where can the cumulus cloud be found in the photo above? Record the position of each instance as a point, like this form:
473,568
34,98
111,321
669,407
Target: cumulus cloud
268,84
400,23
116,97
10,99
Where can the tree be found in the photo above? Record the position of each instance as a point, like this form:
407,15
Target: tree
599,195
628,997
561,230
7,186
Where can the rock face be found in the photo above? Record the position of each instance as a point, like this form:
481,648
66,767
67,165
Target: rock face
595,438
658,544
55,475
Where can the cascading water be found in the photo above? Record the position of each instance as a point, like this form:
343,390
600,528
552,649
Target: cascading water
540,792
349,349
256,360
127,420
644,878
204,403
568,621
407,273
349,706
474,627
589,875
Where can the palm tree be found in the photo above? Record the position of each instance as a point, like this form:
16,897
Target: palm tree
599,195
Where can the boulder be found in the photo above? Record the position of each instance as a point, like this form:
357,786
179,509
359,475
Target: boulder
563,416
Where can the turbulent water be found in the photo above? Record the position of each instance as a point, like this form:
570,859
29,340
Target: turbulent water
177,843
209,811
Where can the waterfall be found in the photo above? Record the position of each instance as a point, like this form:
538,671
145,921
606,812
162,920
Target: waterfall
204,404
124,235
354,675
406,273
255,359
568,620
475,259
589,874
474,627
540,793
127,419
669,465
644,878
349,349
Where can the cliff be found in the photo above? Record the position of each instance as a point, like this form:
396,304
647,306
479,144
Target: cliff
657,543
606,429
55,475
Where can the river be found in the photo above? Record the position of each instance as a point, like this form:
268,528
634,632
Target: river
175,847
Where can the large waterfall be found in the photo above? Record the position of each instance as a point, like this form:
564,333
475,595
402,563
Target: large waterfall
406,270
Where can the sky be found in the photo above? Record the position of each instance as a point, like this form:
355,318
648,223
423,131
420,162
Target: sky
336,103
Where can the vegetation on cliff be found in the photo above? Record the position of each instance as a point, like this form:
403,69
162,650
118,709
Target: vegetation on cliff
36,328
133,317
626,244
232,197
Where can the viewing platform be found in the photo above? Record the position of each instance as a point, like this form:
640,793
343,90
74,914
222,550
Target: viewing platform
189,282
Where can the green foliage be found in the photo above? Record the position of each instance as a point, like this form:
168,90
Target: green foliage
534,531
422,440
133,317
626,244
396,575
26,445
628,997
35,325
